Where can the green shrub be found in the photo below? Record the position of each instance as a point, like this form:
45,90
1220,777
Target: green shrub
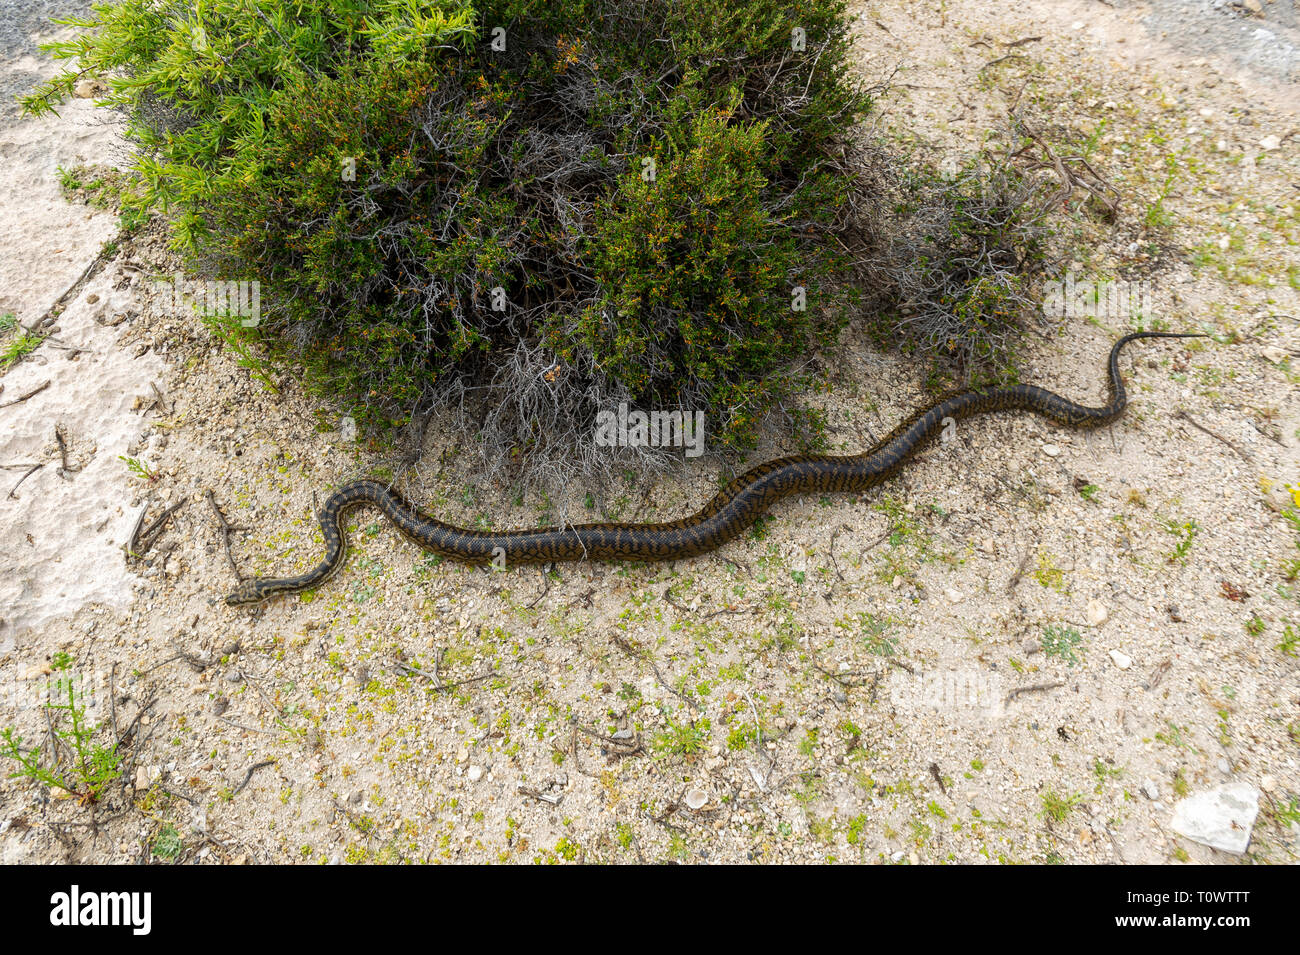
528,211
523,169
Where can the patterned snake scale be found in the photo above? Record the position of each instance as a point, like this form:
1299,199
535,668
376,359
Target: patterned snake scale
730,512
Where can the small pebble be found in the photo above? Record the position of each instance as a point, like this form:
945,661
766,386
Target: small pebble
1097,613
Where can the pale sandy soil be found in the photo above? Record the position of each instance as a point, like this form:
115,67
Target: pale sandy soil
414,710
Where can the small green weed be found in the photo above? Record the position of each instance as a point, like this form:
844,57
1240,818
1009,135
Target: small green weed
1186,533
1057,808
75,763
1062,643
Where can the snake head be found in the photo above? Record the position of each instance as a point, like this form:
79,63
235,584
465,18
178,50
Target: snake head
246,593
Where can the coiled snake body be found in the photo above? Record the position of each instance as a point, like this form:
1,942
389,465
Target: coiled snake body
731,511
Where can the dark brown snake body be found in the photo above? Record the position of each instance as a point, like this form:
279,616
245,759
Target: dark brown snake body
730,513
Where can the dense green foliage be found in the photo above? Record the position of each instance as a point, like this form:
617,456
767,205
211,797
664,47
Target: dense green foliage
646,183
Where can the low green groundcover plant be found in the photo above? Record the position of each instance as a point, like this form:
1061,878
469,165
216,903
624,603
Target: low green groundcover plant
532,209
76,761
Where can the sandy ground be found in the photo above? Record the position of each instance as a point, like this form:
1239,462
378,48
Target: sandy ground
1026,649
63,528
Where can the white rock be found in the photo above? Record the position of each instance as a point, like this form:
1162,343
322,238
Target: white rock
1150,789
1051,450
695,799
1121,659
954,596
1221,817
1097,613
146,776
475,773
1274,354
1269,143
